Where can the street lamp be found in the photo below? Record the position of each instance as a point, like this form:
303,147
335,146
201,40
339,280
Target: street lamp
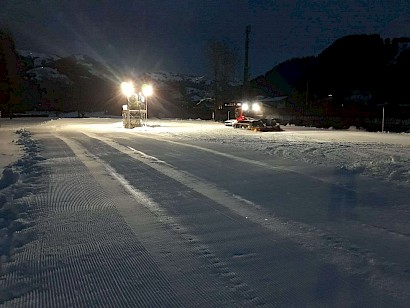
147,90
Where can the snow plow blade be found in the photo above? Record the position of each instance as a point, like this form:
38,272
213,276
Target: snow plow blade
263,125
267,129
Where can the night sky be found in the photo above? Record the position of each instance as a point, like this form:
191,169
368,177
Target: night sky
172,35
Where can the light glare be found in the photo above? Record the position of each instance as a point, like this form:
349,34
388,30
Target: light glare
256,107
127,88
147,90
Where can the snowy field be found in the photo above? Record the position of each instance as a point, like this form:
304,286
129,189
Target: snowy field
381,155
195,213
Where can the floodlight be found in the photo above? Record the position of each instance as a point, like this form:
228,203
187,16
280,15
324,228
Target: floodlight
147,89
127,88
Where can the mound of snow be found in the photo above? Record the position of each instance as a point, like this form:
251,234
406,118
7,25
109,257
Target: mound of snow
9,177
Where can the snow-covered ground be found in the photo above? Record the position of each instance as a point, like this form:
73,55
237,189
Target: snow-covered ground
382,155
92,214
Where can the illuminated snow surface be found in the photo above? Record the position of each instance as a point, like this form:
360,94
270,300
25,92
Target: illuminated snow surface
194,213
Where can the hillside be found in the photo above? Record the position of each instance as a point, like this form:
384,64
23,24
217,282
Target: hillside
82,84
362,70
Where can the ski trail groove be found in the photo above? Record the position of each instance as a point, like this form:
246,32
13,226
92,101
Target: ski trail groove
233,283
89,256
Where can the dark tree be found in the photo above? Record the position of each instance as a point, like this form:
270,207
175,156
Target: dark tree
223,61
10,82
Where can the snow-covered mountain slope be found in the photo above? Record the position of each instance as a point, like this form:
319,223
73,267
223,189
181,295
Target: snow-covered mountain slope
40,67
39,59
48,73
169,76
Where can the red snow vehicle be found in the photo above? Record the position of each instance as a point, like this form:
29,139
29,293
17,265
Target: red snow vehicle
259,125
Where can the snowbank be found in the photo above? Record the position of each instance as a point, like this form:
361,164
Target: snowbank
18,180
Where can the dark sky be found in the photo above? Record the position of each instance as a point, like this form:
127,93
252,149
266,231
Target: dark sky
172,35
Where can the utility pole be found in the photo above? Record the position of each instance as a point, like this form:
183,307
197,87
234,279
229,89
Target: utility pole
306,101
246,64
307,92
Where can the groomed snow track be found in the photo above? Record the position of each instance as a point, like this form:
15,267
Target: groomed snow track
116,227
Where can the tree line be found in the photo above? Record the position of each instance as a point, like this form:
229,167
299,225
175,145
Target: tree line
360,73
10,74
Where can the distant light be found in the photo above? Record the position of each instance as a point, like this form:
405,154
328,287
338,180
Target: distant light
147,90
127,88
256,107
245,107
124,107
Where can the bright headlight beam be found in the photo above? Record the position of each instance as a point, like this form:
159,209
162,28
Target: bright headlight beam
245,107
256,107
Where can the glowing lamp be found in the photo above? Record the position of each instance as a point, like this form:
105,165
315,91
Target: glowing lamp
127,88
147,90
256,107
